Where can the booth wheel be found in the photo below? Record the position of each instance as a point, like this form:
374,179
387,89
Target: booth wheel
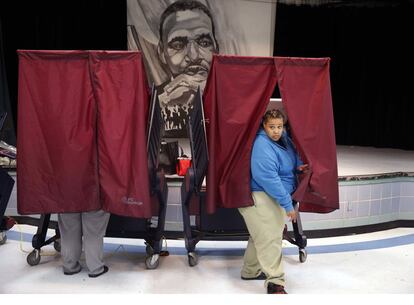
33,258
152,261
302,255
57,245
149,249
3,237
192,259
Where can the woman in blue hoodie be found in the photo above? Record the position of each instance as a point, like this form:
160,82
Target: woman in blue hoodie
274,165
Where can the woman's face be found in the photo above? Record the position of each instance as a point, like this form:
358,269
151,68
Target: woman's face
274,128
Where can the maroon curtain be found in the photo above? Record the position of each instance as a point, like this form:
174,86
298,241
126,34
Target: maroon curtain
82,133
305,88
235,98
121,90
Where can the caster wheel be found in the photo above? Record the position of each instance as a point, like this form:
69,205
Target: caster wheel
152,261
33,258
192,259
57,245
3,238
149,250
302,255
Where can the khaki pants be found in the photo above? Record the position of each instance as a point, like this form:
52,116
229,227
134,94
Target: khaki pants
265,221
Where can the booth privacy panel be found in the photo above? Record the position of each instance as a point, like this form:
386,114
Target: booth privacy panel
82,132
237,93
305,88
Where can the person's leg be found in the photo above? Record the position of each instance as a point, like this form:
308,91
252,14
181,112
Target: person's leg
94,227
251,268
265,222
70,228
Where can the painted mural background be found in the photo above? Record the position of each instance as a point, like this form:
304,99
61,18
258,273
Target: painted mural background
179,38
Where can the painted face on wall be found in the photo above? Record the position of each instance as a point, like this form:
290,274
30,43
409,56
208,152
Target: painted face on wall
188,43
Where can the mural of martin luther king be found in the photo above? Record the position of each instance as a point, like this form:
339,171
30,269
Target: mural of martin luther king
186,46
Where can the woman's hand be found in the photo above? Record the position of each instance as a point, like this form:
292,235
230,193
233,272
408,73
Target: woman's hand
303,168
291,215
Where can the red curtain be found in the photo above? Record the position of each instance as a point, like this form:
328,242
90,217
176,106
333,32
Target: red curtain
305,88
235,98
82,127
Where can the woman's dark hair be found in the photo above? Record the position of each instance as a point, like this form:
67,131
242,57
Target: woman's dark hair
274,114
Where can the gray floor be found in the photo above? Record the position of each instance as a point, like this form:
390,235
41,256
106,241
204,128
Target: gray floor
379,262
357,160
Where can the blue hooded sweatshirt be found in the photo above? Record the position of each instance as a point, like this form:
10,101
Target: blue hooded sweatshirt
274,168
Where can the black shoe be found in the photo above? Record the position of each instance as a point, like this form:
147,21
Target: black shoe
72,272
105,270
261,276
275,289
